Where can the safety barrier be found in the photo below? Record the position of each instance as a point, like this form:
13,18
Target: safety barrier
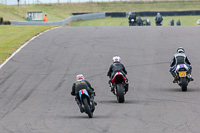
169,13
151,13
62,22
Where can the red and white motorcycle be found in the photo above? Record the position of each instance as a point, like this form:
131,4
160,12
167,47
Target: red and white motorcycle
120,86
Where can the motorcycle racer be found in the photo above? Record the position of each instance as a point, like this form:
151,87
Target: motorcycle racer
180,58
132,16
139,21
158,19
132,19
117,66
81,83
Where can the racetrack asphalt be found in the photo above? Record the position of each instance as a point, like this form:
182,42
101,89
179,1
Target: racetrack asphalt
35,84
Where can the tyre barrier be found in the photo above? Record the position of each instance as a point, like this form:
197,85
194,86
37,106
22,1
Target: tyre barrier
1,20
150,13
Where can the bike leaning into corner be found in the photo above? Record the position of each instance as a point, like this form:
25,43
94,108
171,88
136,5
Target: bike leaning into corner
87,102
84,95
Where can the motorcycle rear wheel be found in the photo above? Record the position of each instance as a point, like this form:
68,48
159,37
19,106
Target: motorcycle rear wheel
120,93
87,107
184,84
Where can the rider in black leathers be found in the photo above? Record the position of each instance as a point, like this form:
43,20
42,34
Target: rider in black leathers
172,22
158,19
146,22
178,23
139,21
81,83
117,67
180,58
132,16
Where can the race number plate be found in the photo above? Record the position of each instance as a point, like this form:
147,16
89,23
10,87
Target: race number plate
182,74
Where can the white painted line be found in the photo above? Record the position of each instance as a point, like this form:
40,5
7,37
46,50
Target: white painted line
13,54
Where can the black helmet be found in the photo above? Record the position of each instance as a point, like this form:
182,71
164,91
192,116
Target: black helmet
180,50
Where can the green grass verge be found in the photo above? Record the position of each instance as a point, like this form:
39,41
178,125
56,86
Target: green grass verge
12,37
56,12
108,21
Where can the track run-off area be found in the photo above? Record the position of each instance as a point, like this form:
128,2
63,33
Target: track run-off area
35,85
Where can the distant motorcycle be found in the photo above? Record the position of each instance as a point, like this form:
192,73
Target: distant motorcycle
118,82
146,22
132,22
86,102
158,23
182,74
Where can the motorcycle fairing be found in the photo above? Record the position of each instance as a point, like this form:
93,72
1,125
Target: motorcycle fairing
83,92
118,74
181,66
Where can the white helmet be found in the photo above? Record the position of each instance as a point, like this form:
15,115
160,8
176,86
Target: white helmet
180,50
116,59
80,77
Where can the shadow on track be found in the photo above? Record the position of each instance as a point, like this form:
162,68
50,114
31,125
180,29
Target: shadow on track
179,90
86,117
115,102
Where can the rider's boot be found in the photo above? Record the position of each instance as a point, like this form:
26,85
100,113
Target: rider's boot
95,103
109,82
112,88
92,99
126,86
111,85
175,79
190,77
80,106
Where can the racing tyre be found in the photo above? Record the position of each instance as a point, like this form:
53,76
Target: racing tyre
87,107
120,93
184,84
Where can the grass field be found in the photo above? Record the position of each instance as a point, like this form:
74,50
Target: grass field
61,11
12,37
185,21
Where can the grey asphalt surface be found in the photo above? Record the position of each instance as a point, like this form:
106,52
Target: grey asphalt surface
35,84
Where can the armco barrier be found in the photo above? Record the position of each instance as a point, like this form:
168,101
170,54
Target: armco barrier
62,22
